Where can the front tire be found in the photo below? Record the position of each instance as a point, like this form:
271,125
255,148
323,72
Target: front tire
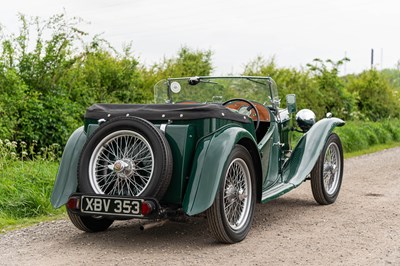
327,174
231,215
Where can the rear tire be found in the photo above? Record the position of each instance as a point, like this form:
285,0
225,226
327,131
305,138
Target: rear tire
88,223
327,174
231,215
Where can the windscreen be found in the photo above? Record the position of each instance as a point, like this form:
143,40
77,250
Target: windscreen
215,89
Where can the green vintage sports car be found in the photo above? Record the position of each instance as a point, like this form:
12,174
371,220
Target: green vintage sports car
210,146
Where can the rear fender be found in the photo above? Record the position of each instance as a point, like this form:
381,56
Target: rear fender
67,180
208,167
307,151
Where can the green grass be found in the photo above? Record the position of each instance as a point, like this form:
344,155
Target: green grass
372,149
25,190
8,224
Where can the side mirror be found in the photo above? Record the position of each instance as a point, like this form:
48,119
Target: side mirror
291,103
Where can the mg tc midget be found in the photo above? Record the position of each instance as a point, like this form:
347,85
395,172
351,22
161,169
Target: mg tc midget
212,146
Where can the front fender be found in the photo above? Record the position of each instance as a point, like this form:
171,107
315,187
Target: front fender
307,151
67,180
209,163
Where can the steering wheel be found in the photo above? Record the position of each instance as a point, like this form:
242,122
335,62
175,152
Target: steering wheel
251,106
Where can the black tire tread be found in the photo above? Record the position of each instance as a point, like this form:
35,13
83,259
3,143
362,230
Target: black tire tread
316,180
215,224
89,224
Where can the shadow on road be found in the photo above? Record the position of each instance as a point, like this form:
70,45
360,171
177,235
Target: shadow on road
125,235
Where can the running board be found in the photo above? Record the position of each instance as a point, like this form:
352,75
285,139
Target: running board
276,191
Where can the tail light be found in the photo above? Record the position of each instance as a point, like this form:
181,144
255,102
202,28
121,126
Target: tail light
147,207
73,203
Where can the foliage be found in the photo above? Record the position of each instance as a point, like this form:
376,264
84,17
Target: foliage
335,97
35,106
51,71
392,76
289,80
188,63
27,193
375,97
357,135
26,180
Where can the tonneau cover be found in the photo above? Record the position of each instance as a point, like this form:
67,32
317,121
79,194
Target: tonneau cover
164,111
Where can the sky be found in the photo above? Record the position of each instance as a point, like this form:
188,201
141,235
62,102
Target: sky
293,32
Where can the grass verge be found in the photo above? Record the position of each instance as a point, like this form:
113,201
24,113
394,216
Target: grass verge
372,149
25,190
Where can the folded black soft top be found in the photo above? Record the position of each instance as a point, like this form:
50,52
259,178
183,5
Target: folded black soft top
164,111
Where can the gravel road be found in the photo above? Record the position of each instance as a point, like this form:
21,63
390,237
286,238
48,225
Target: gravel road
361,228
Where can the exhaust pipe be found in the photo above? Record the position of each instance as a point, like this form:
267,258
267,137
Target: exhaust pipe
152,225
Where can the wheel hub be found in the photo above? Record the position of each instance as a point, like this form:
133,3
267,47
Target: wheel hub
123,168
331,168
231,193
234,194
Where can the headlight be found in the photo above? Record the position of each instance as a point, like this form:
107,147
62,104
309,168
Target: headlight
305,119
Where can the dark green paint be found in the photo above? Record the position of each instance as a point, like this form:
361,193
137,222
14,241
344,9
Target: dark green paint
307,151
270,151
208,167
181,139
303,158
66,182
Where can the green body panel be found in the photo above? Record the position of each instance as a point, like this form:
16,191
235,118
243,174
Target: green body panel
66,182
307,151
185,137
208,165
303,158
270,156
181,139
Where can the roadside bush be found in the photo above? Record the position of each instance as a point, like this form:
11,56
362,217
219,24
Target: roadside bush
335,96
393,127
357,135
376,99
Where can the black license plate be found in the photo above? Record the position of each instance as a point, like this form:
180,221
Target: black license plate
103,205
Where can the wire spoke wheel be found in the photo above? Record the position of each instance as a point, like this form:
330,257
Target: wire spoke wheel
332,168
121,164
237,188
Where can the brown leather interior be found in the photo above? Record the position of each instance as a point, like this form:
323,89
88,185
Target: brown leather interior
262,110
